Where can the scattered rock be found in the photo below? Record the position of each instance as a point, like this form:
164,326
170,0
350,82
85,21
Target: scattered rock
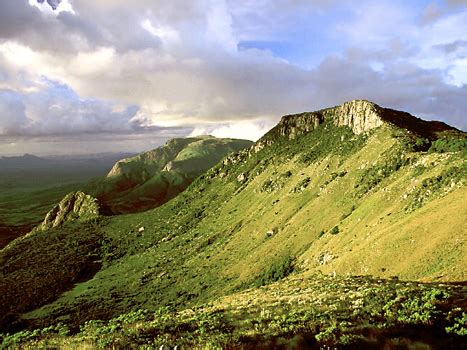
272,232
325,258
241,177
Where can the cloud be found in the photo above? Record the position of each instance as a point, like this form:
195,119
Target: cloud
12,112
51,108
245,130
403,86
431,13
452,47
117,66
53,3
456,3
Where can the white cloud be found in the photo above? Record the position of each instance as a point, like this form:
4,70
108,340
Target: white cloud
249,130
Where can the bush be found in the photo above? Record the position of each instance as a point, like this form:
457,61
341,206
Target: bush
334,230
421,144
451,144
302,185
279,269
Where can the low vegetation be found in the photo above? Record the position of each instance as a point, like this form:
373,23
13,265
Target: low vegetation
319,311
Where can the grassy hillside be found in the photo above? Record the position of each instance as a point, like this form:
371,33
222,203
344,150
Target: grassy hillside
298,313
152,178
326,202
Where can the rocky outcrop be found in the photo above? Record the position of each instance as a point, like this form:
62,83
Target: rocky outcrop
74,206
294,125
359,115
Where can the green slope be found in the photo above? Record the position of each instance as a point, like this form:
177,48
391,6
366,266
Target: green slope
305,199
152,178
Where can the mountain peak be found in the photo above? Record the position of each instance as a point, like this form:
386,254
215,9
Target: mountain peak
360,116
74,206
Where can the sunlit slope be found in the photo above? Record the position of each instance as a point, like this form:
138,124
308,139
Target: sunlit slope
326,200
152,178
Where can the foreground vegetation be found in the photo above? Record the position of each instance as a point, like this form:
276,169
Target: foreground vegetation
296,313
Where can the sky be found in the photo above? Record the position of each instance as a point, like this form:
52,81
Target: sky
95,76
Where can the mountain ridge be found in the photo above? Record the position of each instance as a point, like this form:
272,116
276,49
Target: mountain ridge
325,202
151,178
360,116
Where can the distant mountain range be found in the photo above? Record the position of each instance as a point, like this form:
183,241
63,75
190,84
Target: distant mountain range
30,161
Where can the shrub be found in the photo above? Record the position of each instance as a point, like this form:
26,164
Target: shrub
421,144
451,144
279,269
334,230
302,185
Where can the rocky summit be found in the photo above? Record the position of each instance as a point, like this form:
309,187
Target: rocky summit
75,206
358,115
339,228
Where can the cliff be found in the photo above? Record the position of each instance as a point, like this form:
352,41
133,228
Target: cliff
359,115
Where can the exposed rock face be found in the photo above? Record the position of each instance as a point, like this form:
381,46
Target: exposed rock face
74,206
294,125
359,115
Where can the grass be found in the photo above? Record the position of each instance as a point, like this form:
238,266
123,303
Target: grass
318,311
20,206
33,258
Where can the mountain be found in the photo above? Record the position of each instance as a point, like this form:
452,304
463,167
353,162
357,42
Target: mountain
75,206
152,178
341,227
21,161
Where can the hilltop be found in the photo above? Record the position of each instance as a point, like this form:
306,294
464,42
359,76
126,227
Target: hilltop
353,190
152,178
